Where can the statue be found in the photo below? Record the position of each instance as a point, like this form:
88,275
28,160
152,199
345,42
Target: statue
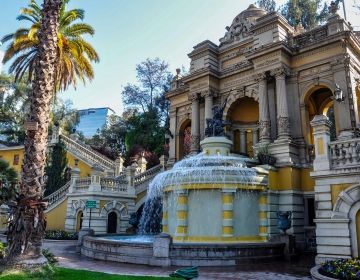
215,126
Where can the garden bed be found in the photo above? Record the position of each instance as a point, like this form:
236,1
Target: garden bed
344,269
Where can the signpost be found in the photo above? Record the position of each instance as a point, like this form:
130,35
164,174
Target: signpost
90,204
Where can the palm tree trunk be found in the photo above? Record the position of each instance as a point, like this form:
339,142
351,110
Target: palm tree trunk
27,227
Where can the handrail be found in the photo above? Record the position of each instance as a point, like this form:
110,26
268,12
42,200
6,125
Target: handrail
88,153
147,175
58,195
114,185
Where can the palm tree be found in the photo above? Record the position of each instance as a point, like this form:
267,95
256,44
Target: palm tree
26,229
73,52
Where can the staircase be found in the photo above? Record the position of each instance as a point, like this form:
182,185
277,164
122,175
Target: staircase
87,154
57,197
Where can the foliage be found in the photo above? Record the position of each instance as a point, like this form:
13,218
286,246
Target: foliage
145,129
56,167
64,115
343,269
14,106
60,235
49,256
74,53
8,182
154,79
2,250
308,13
110,140
267,5
59,273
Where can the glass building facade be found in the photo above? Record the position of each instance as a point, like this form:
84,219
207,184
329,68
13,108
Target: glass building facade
92,120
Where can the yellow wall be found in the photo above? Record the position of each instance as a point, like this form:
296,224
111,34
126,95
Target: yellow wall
8,156
56,217
289,178
85,169
336,190
245,110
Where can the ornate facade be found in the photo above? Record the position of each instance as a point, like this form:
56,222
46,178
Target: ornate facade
274,79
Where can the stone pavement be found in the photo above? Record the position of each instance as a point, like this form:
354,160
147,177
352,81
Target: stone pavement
65,251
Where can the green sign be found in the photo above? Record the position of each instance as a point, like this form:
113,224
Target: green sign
91,204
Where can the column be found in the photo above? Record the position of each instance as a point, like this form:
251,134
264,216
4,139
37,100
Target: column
174,138
321,131
228,213
243,141
283,122
165,227
195,123
264,114
263,216
255,136
208,96
181,215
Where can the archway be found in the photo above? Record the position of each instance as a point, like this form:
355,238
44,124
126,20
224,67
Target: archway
184,139
244,117
79,221
112,222
319,101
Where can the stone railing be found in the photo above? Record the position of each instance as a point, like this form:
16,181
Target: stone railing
147,175
119,184
345,153
310,37
58,195
82,184
87,153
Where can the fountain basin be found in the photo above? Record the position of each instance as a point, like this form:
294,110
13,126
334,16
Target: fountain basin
180,254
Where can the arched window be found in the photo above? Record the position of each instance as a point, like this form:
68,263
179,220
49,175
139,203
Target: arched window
79,220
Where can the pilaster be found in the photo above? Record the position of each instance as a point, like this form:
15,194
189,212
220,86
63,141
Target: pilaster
264,115
228,212
195,123
181,215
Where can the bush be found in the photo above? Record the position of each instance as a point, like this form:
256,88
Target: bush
60,235
49,256
344,269
2,250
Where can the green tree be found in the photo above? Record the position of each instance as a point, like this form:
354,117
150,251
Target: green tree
64,115
8,182
110,139
308,13
55,169
153,81
14,106
267,5
74,54
146,130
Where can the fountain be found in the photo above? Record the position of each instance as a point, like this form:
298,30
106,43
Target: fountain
214,212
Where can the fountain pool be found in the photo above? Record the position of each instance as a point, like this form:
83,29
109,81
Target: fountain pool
214,212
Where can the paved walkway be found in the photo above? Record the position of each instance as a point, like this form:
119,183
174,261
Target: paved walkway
65,251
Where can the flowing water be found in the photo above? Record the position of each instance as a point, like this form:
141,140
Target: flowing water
200,168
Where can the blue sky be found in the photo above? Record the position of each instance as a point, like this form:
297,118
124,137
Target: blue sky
129,31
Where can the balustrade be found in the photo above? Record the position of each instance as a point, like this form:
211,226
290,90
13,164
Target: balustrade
87,153
58,195
345,153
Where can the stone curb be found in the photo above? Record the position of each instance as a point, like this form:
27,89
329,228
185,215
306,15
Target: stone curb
315,275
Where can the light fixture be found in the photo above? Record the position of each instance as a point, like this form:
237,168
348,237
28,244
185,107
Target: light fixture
338,94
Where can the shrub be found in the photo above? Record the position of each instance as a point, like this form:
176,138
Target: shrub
60,235
344,269
2,250
49,256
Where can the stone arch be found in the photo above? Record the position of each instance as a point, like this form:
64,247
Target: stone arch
184,124
78,205
307,89
235,95
317,99
114,206
347,206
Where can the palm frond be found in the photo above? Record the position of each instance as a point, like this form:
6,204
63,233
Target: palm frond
79,29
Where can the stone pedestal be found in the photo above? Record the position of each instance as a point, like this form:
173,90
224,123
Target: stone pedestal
83,232
216,146
161,250
289,240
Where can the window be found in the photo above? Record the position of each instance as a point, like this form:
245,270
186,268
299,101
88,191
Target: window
16,160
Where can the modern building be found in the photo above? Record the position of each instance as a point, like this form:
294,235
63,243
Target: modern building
92,120
278,84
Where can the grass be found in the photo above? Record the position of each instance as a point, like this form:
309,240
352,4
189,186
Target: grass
58,273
